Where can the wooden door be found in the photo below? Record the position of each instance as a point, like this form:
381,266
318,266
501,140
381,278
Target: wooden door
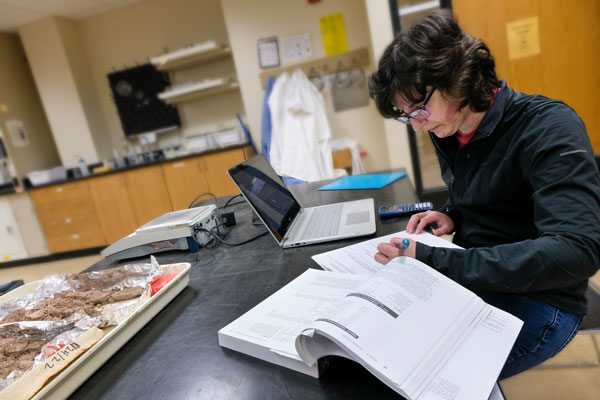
148,193
216,166
113,206
566,67
185,181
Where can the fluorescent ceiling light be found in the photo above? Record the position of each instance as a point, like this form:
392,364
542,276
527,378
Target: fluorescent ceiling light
419,7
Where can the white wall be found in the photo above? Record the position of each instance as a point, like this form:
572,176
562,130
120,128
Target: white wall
55,81
22,102
88,96
132,34
77,98
248,21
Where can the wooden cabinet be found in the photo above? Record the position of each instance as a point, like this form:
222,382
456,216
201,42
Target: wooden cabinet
103,209
148,193
215,169
114,207
185,181
125,201
68,216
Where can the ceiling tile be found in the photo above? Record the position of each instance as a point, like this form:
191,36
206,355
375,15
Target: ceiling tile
9,21
18,3
17,12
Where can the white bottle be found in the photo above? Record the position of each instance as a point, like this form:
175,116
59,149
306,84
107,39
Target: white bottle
83,168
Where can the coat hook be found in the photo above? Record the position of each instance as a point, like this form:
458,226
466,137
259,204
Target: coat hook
316,79
357,74
342,76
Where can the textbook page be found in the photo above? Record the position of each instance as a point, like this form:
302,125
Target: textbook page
358,258
468,375
402,322
268,331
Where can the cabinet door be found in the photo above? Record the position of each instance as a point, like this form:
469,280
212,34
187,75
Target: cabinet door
216,166
185,181
11,245
68,216
148,193
113,205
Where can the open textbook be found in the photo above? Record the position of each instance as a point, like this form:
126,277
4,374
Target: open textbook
419,332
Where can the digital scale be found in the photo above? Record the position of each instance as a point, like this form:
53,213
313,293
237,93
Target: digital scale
177,230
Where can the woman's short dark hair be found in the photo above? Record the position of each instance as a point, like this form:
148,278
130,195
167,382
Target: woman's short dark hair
435,52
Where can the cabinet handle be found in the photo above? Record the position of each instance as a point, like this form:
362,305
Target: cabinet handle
59,189
67,220
179,165
75,236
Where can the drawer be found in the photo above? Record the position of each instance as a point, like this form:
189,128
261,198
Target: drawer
59,226
60,192
70,207
76,241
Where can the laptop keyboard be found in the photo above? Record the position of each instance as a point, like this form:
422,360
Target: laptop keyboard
324,222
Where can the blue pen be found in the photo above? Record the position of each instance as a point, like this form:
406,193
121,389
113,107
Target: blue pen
404,245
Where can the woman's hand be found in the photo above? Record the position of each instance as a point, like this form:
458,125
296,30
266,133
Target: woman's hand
441,223
395,248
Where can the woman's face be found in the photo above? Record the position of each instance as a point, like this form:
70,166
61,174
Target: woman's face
445,119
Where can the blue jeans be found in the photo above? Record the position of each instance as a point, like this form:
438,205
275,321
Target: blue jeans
546,330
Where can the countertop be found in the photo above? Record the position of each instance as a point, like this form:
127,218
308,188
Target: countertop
177,354
129,167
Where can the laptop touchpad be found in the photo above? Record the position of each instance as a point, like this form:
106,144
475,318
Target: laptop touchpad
361,217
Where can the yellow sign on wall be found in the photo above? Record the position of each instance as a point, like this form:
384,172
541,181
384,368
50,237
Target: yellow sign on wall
333,33
523,38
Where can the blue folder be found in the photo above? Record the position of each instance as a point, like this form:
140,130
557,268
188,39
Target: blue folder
368,181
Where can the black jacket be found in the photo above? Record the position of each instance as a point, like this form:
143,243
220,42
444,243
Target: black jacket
525,201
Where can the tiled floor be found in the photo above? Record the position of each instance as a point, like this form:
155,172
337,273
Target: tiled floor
34,272
572,375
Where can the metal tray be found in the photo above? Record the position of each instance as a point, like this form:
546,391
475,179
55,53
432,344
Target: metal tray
61,386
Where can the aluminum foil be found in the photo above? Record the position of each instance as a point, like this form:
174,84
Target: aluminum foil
61,333
115,313
58,333
65,338
121,277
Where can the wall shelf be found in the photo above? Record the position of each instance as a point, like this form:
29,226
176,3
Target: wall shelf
189,56
197,90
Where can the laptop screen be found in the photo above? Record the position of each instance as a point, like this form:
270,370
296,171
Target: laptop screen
264,190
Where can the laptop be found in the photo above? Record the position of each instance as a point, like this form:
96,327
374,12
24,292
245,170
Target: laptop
290,224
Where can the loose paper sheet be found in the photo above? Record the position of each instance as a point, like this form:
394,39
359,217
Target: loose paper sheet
358,258
523,38
333,33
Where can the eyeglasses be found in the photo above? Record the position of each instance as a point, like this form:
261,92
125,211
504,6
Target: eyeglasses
419,114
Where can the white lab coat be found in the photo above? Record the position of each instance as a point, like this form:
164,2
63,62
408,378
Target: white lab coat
300,131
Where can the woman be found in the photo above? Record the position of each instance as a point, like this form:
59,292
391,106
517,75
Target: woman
524,188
